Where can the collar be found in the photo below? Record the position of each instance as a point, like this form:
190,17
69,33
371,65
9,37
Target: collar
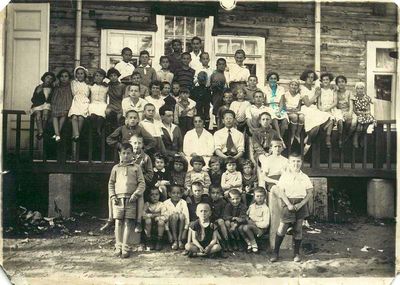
121,164
144,66
156,170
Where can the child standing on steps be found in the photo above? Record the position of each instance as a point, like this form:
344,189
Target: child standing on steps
125,186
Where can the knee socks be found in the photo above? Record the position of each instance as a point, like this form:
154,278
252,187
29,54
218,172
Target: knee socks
297,243
278,242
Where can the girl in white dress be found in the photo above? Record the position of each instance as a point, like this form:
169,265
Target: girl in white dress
80,103
292,99
274,100
98,100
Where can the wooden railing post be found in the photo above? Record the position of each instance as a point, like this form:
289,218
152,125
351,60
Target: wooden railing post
5,129
378,137
316,153
18,137
388,145
31,136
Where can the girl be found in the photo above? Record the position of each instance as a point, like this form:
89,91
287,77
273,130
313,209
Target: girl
197,174
41,102
160,176
166,95
362,108
215,171
98,100
116,91
249,181
80,104
327,102
61,100
239,106
292,104
179,167
155,98
345,103
275,101
231,179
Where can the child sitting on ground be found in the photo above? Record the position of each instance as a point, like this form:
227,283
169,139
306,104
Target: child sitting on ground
249,180
215,170
235,217
218,204
231,179
161,175
125,186
258,221
178,171
154,215
204,234
178,217
197,174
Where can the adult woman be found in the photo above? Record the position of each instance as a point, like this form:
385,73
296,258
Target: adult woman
274,100
313,118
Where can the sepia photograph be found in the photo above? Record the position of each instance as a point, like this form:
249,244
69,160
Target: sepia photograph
198,142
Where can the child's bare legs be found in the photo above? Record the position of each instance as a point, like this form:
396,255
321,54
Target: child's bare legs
173,225
340,132
283,127
75,126
193,250
147,228
280,235
182,231
275,124
328,126
300,126
45,118
58,123
356,135
39,124
110,217
293,126
139,214
128,228
119,230
160,233
250,239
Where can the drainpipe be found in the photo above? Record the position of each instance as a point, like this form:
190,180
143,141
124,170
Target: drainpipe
317,37
78,33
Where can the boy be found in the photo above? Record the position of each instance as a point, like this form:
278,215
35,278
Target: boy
141,158
125,186
258,221
166,95
202,96
133,101
253,112
196,53
164,74
147,73
231,179
262,138
234,217
136,78
205,60
115,93
176,87
155,98
218,204
204,234
218,84
152,126
171,134
238,72
227,100
185,109
125,67
198,196
251,88
175,57
185,74
295,190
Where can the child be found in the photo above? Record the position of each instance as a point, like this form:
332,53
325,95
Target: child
154,216
215,171
155,98
171,135
249,180
98,100
218,84
205,60
195,43
251,88
185,109
152,126
295,197
196,197
345,103
166,95
218,204
253,112
362,108
239,106
204,234
258,221
115,94
80,104
125,186
164,74
133,101
175,58
185,74
61,100
202,96
161,175
176,88
234,217
125,67
178,217
272,166
227,100
231,179
178,171
327,103
197,174
124,133
262,138
238,72
292,101
147,73
41,100
136,79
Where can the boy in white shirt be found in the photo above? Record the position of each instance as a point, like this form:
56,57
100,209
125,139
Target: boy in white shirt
124,67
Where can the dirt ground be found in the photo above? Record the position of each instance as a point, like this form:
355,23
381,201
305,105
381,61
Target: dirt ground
86,253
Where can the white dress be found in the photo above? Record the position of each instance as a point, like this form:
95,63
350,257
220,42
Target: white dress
313,117
273,102
80,102
326,99
98,100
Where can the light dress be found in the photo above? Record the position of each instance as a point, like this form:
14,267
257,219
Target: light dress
80,101
98,100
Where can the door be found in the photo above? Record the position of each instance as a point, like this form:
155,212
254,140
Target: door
27,53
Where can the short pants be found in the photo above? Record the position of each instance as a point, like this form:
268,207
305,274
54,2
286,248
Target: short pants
124,209
292,216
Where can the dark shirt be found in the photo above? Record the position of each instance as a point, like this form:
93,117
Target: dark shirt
193,205
174,62
124,133
208,232
202,96
184,77
217,209
215,177
158,176
38,97
178,178
170,101
239,212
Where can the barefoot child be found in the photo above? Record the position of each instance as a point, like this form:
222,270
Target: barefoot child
125,186
204,234
295,189
258,220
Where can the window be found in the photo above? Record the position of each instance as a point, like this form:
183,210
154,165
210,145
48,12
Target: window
113,41
381,79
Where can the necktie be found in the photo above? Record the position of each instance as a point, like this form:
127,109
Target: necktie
230,147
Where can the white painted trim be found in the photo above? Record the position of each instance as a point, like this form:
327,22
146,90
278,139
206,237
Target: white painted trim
159,41
103,49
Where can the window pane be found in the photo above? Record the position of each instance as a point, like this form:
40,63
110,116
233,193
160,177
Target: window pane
190,27
200,27
383,60
131,41
236,44
251,47
169,26
223,46
179,26
146,43
383,87
114,44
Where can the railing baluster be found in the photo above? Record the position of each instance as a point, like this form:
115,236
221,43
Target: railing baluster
353,157
5,129
364,162
341,164
378,136
330,158
76,151
31,136
388,145
18,136
316,153
103,145
90,141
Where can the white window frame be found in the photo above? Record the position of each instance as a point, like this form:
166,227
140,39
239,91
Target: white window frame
372,70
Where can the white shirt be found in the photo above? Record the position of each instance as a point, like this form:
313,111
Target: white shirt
238,73
203,145
165,75
240,109
295,184
292,102
259,214
195,62
154,128
180,208
273,165
158,103
207,70
128,105
125,68
221,136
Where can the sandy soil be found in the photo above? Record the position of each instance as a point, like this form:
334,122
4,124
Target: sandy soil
335,252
